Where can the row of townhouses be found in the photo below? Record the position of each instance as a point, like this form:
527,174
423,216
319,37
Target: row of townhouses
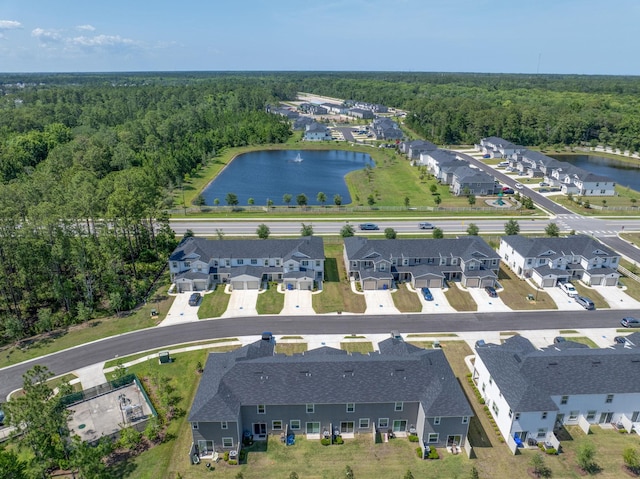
565,176
199,264
253,393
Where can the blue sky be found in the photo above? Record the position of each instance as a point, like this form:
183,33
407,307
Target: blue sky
496,36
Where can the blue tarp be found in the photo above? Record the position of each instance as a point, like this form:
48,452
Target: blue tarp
291,440
518,441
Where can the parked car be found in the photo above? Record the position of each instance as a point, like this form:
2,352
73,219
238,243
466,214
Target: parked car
630,322
507,191
369,226
491,291
542,183
426,293
620,340
480,343
559,339
519,186
1,417
396,335
585,302
425,226
568,288
194,299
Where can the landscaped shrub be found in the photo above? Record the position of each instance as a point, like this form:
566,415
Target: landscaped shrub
339,440
233,462
551,451
243,455
433,454
226,455
413,438
419,452
325,441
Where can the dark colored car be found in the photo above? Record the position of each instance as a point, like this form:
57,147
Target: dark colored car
491,291
620,340
194,299
480,343
369,226
507,191
1,417
426,293
559,339
585,302
630,322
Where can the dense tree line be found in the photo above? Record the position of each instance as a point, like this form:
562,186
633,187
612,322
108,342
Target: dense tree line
86,172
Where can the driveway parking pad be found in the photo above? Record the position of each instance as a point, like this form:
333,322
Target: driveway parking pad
380,302
242,303
486,303
181,311
616,297
298,301
562,300
439,303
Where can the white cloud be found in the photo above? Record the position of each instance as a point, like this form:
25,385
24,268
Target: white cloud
46,36
87,28
101,41
9,25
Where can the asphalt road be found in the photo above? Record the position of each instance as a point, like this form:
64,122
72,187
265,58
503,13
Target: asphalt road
155,338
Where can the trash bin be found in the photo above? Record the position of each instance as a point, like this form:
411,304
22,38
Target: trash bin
164,357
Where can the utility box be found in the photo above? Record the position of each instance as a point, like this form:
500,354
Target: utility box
164,357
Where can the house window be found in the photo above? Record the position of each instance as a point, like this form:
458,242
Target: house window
294,424
276,425
277,262
433,437
224,425
495,408
383,423
609,398
266,262
544,415
483,387
351,407
363,423
305,263
517,416
510,412
465,419
174,264
542,432
573,415
194,425
311,408
564,400
262,409
313,428
317,263
187,264
227,442
399,406
490,380
591,415
436,420
254,261
634,416
240,261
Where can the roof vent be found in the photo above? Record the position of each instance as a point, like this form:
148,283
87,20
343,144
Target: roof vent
553,364
517,358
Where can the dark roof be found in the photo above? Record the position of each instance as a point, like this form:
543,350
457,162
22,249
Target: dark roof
254,375
193,247
579,245
467,247
528,378
192,275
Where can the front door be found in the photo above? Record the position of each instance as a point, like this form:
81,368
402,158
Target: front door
454,440
260,429
559,420
606,417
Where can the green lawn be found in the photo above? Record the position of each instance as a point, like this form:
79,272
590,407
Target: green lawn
592,294
336,292
357,347
406,301
459,299
516,291
291,348
583,340
270,301
624,198
95,329
214,304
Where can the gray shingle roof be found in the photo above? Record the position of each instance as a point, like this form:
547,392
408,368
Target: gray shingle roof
580,245
192,247
527,377
254,375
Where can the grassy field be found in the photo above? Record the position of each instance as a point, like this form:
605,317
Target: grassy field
92,330
336,291
516,292
214,304
291,348
357,346
460,300
406,301
270,301
583,340
625,197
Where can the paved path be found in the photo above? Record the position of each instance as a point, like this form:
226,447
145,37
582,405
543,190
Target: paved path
91,376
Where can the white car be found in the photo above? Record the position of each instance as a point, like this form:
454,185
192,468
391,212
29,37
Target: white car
569,289
519,186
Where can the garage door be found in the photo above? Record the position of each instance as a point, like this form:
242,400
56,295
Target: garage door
420,283
182,287
548,282
253,284
473,282
486,282
306,285
370,284
610,281
435,283
237,285
596,280
199,285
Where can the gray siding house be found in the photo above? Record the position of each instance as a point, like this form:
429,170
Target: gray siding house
252,393
198,263
376,264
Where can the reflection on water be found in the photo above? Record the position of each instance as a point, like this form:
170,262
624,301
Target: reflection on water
264,175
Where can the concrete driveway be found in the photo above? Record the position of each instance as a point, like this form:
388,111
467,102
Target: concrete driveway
486,303
616,297
242,303
564,302
180,311
439,303
298,301
380,302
